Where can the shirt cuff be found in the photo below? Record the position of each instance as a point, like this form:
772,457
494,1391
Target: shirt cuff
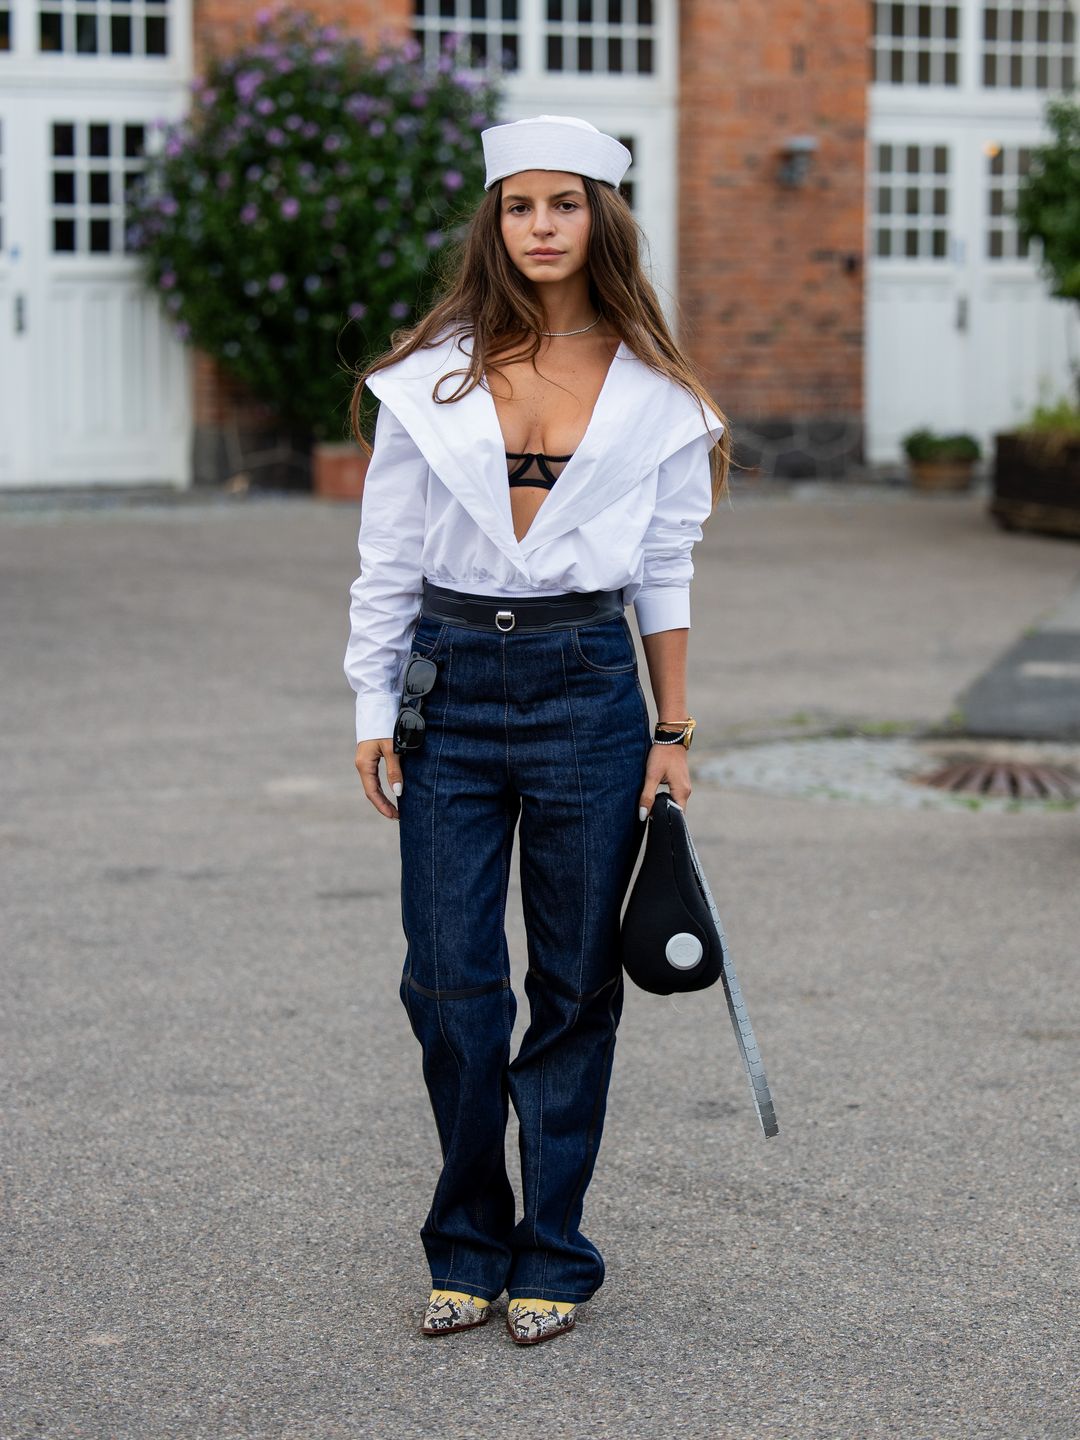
665,608
376,716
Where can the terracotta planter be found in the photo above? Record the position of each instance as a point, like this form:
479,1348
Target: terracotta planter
1037,483
941,474
338,470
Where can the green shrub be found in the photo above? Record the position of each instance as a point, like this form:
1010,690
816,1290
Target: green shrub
1061,417
293,220
926,444
1048,199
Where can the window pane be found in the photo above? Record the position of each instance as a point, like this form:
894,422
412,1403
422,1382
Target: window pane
63,187
63,235
86,41
50,35
99,187
100,237
99,139
63,140
120,34
156,35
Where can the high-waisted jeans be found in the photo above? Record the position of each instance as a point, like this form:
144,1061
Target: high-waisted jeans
547,731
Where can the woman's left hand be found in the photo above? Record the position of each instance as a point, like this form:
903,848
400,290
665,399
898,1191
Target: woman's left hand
667,764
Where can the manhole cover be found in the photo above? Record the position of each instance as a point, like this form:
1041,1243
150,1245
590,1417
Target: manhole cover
898,772
1017,779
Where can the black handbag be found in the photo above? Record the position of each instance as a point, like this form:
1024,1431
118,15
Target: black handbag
672,940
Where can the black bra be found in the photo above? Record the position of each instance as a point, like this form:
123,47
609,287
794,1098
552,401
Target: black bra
534,469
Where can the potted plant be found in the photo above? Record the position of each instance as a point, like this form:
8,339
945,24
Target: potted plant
940,462
1036,482
1037,472
295,218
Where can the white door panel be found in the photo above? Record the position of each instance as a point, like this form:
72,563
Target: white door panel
96,388
962,333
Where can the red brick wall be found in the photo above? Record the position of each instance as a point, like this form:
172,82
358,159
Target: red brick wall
220,24
773,314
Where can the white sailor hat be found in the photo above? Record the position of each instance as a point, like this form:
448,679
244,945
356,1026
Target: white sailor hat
553,142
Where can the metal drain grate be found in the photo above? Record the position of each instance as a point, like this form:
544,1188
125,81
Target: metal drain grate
1016,779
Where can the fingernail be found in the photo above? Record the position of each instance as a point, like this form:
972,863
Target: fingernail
642,813
396,787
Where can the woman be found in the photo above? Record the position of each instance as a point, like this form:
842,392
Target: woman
543,455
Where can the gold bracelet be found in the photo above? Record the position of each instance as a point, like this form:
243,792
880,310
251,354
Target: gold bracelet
684,735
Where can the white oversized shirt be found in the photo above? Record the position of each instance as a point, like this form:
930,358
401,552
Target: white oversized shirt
624,513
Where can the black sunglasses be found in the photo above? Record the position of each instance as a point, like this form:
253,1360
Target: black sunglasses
410,724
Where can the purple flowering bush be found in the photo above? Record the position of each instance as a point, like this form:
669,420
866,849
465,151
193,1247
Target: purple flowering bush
295,217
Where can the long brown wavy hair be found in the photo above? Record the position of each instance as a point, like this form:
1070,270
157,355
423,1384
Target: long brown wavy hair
485,296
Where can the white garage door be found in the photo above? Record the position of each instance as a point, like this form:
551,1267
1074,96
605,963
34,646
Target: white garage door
961,331
96,388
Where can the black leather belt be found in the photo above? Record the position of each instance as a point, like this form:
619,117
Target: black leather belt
530,612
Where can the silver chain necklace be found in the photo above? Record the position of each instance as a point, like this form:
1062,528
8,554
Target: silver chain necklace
561,334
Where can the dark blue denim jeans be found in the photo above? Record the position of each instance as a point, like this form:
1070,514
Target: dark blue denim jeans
548,732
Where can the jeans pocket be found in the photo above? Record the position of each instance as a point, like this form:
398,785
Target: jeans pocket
607,648
427,638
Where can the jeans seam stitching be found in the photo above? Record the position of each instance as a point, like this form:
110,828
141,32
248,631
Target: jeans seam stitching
593,1119
581,802
506,708
434,902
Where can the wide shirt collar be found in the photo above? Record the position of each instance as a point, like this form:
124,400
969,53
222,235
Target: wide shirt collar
640,418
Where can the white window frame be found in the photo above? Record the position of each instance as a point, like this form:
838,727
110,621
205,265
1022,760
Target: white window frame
25,64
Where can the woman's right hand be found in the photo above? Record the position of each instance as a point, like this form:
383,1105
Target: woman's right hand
368,754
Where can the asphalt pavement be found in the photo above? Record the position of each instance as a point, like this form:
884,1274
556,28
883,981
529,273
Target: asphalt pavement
217,1147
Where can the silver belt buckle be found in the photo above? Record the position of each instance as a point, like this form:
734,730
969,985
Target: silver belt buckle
500,616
